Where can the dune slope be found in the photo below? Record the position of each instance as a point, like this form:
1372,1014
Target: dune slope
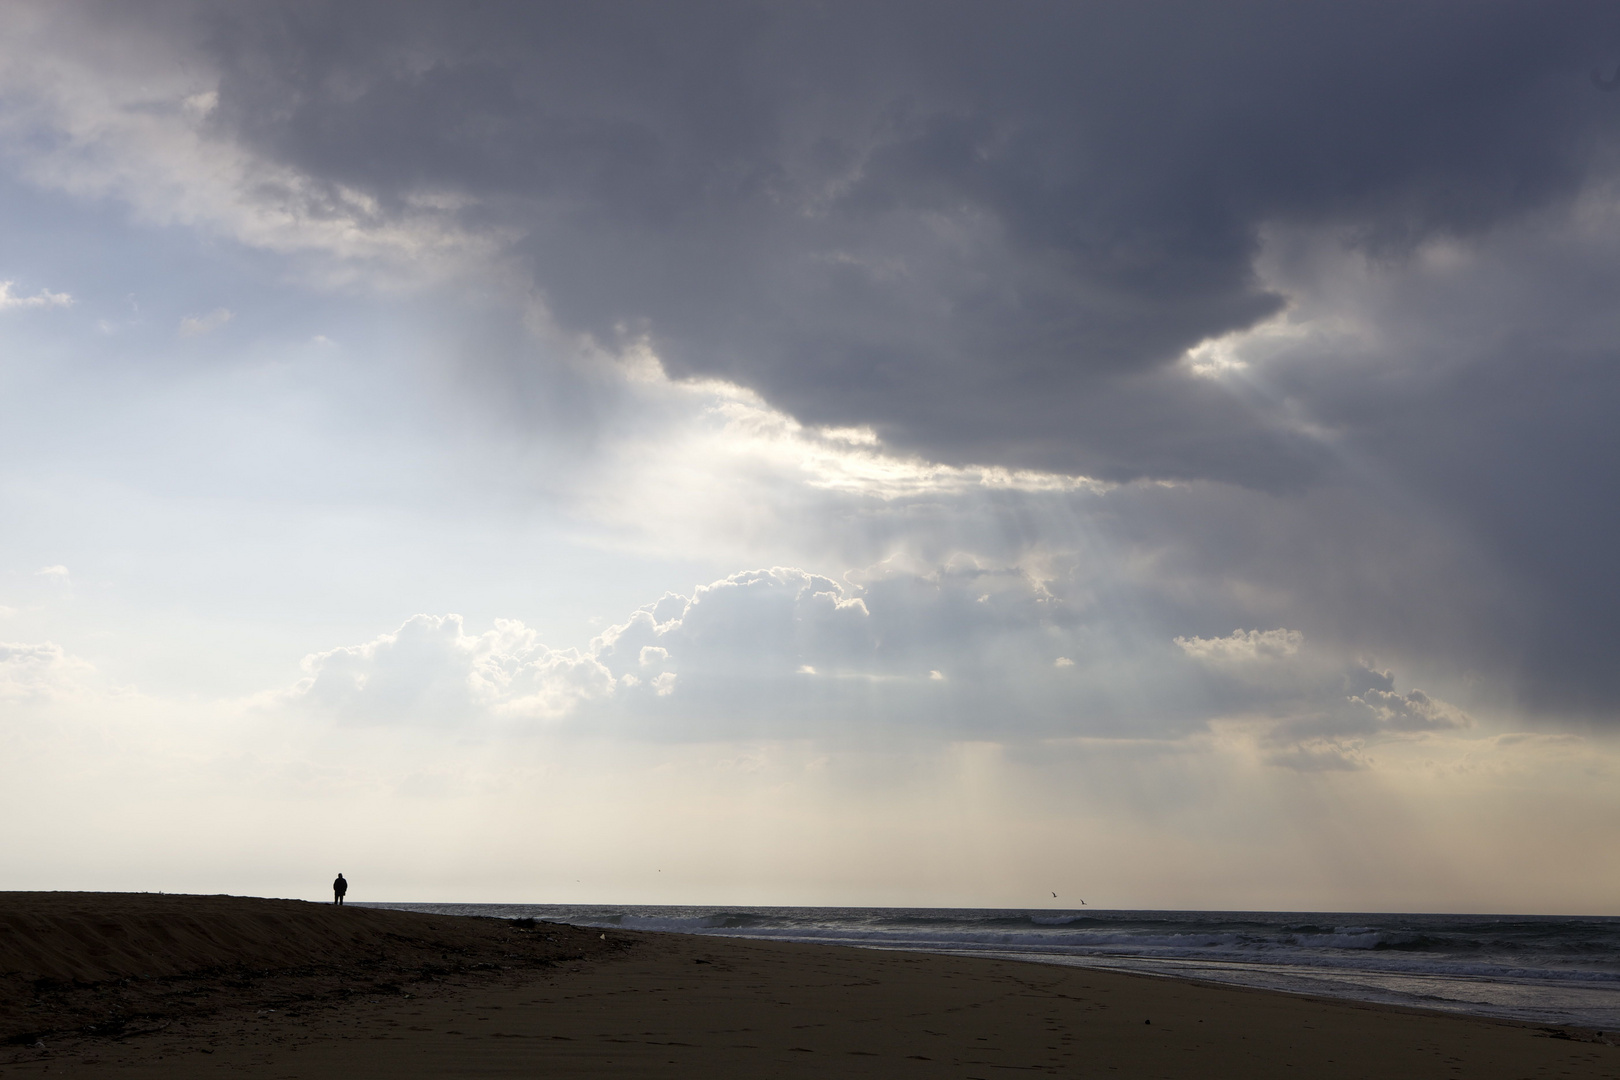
93,962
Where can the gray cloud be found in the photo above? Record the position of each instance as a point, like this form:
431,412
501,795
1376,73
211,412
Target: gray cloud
989,235
1474,404
985,233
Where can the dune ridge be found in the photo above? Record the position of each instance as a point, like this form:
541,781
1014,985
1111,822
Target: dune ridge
93,937
104,962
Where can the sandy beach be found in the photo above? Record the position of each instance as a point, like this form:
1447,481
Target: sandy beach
191,986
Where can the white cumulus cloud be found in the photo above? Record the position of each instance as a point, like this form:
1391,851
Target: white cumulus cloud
39,670
1243,645
731,650
431,669
42,299
939,652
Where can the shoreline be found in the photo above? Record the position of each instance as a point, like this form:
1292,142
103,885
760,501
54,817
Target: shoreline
1473,965
1393,1000
372,991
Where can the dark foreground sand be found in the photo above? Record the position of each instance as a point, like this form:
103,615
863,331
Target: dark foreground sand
181,986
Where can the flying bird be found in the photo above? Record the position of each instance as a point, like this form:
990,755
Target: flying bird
1608,85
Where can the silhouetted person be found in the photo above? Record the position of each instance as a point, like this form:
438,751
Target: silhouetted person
339,887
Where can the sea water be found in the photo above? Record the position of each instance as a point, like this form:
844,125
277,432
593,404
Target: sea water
1545,969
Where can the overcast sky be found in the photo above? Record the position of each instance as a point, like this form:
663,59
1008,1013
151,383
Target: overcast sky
826,453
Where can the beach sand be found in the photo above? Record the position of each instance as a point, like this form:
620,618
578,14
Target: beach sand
183,986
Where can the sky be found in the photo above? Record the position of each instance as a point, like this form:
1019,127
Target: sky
900,453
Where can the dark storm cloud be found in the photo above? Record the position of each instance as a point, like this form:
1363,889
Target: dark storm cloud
1488,400
986,230
990,230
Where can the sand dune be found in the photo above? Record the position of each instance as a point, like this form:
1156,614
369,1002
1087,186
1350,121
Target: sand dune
122,962
92,937
302,990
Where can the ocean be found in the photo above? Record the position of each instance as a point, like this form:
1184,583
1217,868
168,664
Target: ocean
1544,969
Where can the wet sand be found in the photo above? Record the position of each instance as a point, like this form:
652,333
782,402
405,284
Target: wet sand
218,986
